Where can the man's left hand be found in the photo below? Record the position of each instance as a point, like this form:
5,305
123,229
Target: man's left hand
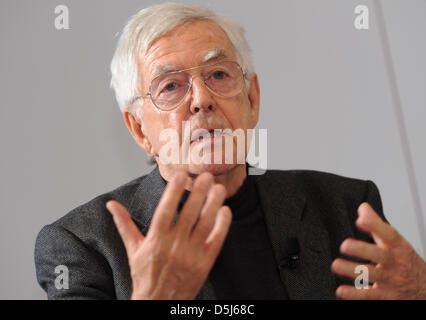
396,270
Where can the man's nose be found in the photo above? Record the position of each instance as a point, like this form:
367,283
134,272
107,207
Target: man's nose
201,96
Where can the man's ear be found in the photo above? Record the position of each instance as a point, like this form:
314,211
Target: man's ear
134,124
254,98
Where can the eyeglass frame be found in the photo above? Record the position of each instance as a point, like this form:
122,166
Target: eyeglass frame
244,73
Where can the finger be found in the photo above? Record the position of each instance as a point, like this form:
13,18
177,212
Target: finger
207,219
353,270
193,205
218,235
382,232
352,293
127,229
165,212
363,250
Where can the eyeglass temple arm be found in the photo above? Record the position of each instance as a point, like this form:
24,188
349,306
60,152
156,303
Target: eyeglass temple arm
139,97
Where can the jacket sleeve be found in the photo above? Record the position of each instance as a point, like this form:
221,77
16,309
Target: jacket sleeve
374,199
67,268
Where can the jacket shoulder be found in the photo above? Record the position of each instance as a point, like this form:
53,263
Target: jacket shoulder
329,190
315,179
91,223
86,240
92,215
320,182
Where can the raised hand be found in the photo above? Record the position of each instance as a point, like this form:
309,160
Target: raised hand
396,271
173,261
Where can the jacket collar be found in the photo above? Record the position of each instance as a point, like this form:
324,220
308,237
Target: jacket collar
288,213
146,199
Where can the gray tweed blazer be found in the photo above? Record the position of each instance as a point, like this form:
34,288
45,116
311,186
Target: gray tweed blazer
317,208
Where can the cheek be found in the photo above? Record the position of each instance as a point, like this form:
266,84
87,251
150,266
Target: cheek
238,113
173,121
157,121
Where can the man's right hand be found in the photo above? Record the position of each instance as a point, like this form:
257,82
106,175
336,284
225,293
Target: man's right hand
173,261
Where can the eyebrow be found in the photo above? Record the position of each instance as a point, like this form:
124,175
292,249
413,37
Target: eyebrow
214,54
164,68
219,53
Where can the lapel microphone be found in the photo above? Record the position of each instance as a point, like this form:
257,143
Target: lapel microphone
291,259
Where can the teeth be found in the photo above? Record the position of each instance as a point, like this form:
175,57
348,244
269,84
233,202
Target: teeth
201,135
211,133
205,136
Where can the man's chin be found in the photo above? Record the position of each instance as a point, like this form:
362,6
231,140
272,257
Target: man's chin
213,168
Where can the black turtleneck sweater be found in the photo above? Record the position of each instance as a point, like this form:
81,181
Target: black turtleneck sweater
246,268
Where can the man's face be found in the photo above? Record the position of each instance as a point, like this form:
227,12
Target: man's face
189,46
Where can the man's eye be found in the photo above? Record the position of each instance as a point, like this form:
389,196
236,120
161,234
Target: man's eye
218,75
170,86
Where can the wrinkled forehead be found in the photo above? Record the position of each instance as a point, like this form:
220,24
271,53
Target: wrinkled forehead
185,46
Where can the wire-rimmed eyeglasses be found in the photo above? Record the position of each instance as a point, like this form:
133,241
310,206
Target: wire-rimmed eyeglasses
167,91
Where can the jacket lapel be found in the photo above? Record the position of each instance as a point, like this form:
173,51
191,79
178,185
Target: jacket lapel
288,214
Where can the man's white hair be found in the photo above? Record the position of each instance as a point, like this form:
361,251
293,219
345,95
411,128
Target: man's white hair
150,24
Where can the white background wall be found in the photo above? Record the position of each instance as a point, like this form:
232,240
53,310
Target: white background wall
326,100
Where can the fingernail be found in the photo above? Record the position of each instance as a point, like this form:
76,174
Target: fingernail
343,292
108,206
221,192
362,212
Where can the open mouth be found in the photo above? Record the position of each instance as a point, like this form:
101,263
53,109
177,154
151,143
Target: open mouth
205,135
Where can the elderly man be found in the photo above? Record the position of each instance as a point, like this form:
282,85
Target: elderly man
197,229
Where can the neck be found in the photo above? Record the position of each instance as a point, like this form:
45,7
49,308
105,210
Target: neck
231,179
